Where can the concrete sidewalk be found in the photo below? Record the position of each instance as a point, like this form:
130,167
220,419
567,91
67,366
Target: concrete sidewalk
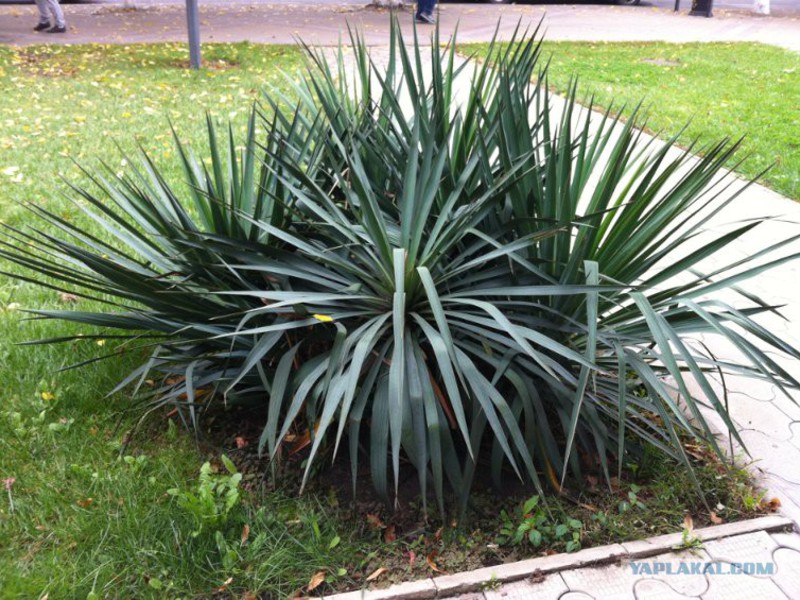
326,24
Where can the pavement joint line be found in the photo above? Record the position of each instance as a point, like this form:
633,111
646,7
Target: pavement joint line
445,586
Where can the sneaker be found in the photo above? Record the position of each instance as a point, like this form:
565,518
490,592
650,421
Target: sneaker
57,29
426,18
42,26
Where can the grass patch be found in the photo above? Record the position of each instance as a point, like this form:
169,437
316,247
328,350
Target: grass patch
724,89
87,521
87,517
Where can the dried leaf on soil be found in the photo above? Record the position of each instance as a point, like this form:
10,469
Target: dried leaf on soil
377,573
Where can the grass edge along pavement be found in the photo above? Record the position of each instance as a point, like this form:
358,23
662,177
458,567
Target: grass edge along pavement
58,422
536,569
720,89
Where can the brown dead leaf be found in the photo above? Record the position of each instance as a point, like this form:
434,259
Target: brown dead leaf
316,581
241,442
64,297
771,505
245,533
374,521
432,563
715,519
438,535
389,536
376,573
224,587
85,503
550,552
412,557
688,523
250,596
303,440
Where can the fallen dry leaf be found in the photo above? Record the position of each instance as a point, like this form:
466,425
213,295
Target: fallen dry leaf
412,557
377,573
431,563
224,587
316,581
374,521
241,442
688,523
716,520
389,536
245,533
85,503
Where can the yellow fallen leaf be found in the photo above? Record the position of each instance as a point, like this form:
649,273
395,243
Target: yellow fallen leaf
377,573
316,581
48,396
323,318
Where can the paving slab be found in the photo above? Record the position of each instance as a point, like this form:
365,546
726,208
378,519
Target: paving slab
689,584
654,589
787,576
734,587
611,582
752,547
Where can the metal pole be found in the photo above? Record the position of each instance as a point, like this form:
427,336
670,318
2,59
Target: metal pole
677,5
193,23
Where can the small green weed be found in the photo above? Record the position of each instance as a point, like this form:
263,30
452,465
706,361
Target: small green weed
632,501
689,541
216,497
532,524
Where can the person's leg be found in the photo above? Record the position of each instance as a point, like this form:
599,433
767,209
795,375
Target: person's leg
425,8
44,17
58,14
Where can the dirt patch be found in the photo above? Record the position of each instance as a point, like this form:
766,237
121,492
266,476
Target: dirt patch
43,64
207,65
116,10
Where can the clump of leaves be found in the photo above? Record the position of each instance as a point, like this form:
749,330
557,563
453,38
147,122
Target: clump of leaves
631,500
216,497
532,524
427,278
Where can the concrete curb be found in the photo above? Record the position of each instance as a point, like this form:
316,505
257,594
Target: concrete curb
474,581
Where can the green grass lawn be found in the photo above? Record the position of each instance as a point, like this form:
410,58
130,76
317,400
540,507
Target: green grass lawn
79,518
721,89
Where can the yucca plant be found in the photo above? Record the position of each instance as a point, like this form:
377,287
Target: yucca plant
436,278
